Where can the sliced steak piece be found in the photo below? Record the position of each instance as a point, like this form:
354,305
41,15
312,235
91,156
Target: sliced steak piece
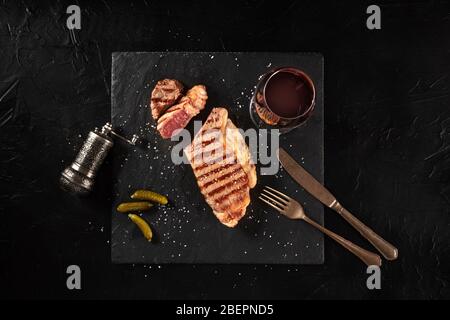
178,116
222,165
165,94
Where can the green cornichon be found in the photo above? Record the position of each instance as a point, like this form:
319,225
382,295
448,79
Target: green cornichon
134,206
149,195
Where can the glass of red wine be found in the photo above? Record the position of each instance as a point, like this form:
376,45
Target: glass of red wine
284,99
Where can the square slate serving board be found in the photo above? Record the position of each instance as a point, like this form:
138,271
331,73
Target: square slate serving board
186,231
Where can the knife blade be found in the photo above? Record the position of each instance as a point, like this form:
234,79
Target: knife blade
317,190
305,179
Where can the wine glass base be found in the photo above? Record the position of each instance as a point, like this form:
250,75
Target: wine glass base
260,124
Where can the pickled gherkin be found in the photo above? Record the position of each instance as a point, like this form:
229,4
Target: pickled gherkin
134,206
149,195
142,225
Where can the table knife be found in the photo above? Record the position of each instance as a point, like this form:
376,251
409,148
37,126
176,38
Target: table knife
316,189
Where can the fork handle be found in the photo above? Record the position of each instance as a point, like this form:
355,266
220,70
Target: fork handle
369,258
385,248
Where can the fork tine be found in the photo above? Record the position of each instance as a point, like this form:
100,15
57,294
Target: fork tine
283,201
270,204
274,201
281,194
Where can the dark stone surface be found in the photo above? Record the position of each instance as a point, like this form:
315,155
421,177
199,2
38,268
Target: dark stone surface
187,230
386,142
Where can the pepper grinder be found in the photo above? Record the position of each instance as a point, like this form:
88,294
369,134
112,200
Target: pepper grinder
79,177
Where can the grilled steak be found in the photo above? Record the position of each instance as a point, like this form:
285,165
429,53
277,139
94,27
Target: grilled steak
165,94
221,163
178,116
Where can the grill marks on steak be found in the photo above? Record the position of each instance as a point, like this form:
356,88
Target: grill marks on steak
178,116
165,94
221,163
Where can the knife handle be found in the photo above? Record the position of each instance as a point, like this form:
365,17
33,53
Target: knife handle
385,248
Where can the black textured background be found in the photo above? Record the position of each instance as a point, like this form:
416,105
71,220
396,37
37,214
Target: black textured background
387,141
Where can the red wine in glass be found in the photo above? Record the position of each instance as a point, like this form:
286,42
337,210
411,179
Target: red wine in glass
284,99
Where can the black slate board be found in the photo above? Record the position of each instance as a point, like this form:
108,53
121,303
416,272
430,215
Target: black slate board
186,231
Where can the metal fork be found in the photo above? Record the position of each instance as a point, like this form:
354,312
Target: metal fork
294,210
